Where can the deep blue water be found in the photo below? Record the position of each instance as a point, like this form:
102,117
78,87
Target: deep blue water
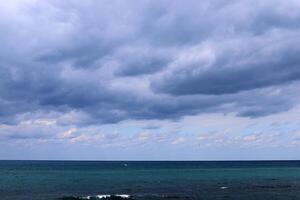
150,180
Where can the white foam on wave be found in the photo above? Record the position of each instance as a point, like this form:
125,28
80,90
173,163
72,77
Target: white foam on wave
88,197
104,196
125,196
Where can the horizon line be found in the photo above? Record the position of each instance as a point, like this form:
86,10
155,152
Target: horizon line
71,160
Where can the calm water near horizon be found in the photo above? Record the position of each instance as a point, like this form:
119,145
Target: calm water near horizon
46,180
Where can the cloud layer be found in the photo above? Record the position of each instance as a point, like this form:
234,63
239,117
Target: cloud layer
88,63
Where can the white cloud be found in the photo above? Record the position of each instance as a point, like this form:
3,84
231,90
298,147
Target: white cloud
178,140
250,138
68,133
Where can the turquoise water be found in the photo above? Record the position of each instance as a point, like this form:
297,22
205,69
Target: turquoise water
150,180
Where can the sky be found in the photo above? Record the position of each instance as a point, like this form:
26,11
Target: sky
150,80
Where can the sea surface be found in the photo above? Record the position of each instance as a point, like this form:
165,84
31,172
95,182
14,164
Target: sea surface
70,180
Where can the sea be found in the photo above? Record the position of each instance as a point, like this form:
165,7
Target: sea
149,180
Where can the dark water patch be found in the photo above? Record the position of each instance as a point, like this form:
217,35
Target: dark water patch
272,186
161,197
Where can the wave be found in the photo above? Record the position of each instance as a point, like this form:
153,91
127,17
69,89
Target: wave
125,197
101,196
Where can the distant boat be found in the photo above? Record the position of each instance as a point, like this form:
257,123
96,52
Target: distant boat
125,165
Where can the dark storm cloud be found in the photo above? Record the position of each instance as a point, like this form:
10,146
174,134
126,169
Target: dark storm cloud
111,61
234,71
139,62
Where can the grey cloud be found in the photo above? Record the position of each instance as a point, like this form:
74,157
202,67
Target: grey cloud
82,57
269,64
143,60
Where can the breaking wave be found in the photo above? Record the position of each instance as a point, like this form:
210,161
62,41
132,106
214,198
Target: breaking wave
102,196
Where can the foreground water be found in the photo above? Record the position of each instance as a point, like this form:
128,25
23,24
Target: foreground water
43,180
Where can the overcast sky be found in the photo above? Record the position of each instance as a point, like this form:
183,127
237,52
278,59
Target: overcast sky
149,79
